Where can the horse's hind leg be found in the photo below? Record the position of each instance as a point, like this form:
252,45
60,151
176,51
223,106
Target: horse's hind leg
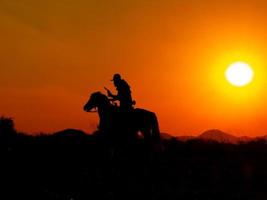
155,132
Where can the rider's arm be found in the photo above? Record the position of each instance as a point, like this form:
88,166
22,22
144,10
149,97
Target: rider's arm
113,97
110,93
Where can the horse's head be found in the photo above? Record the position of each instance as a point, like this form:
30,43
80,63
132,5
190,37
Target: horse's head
96,100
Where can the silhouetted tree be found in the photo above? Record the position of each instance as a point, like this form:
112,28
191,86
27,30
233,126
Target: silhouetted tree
7,128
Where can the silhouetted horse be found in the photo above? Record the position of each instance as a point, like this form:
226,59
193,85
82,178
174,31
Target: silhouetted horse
119,124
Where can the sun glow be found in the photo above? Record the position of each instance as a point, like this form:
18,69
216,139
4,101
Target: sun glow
239,74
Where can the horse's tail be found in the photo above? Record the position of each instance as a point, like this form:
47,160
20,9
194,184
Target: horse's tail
157,144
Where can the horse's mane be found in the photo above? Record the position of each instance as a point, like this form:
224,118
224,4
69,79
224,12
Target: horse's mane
101,96
98,94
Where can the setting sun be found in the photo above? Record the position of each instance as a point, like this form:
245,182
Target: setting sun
239,74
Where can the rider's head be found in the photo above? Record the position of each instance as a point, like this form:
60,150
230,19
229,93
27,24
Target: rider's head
116,78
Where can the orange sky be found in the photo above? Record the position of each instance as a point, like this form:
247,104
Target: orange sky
173,53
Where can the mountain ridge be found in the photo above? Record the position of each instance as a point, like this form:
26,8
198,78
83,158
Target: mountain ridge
217,135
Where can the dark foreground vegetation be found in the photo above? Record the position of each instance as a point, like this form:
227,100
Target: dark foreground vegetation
71,165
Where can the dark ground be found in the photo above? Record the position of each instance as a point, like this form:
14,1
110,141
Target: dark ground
73,166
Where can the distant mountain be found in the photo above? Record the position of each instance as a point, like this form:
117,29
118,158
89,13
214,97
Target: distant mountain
212,135
264,137
218,136
245,139
185,138
69,133
166,136
209,135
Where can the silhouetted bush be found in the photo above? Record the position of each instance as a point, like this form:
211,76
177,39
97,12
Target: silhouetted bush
7,129
6,125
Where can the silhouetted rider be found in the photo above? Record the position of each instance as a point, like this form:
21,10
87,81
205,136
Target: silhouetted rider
124,93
